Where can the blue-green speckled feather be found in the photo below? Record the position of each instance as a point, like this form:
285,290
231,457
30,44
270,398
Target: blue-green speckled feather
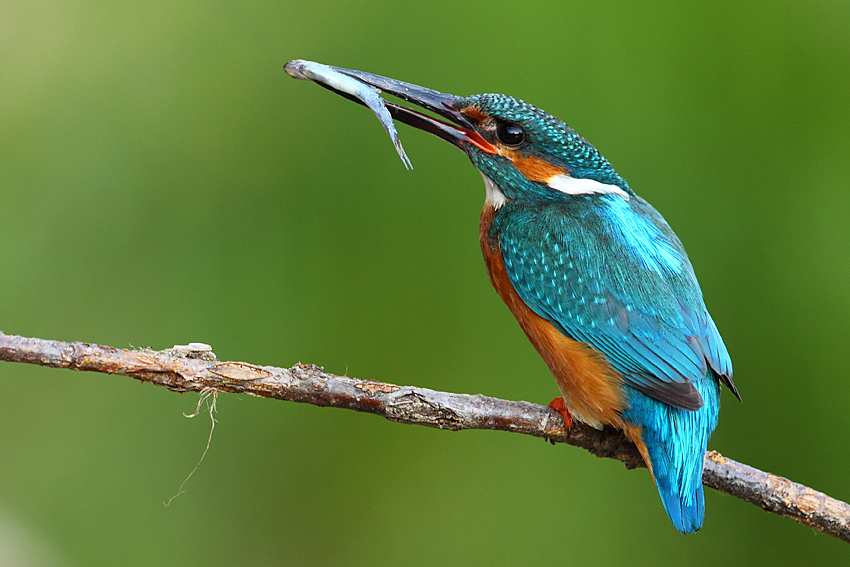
610,272
620,281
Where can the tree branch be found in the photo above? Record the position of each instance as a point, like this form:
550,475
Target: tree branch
194,368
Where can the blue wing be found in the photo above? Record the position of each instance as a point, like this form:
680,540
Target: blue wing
611,273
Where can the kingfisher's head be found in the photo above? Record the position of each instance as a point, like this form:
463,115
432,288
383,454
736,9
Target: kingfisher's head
523,152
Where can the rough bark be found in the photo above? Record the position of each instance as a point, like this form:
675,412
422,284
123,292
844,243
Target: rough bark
194,368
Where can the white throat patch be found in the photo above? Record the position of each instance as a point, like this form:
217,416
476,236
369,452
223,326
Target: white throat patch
572,186
495,197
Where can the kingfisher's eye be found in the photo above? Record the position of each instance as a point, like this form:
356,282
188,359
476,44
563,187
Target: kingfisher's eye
510,134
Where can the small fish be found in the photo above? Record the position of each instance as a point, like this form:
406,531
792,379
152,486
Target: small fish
367,94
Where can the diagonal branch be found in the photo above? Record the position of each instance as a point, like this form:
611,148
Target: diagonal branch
194,368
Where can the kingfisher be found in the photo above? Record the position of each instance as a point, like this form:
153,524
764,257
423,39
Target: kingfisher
596,278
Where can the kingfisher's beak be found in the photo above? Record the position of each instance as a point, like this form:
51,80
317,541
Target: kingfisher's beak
459,131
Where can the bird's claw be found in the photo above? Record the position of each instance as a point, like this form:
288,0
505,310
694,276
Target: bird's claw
558,405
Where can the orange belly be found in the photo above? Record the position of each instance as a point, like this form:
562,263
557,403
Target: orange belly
592,390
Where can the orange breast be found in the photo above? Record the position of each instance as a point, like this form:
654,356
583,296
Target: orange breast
592,390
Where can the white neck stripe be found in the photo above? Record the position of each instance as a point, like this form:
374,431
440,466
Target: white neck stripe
573,186
495,197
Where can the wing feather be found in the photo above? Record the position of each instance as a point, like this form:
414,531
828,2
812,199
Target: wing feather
629,292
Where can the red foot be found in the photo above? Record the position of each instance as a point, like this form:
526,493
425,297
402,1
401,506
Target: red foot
558,405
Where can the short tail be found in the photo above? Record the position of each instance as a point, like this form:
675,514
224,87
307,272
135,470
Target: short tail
686,508
676,440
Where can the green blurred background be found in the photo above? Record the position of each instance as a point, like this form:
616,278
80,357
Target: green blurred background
163,181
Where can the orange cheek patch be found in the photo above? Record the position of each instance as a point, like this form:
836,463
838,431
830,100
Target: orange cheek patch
533,168
475,114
